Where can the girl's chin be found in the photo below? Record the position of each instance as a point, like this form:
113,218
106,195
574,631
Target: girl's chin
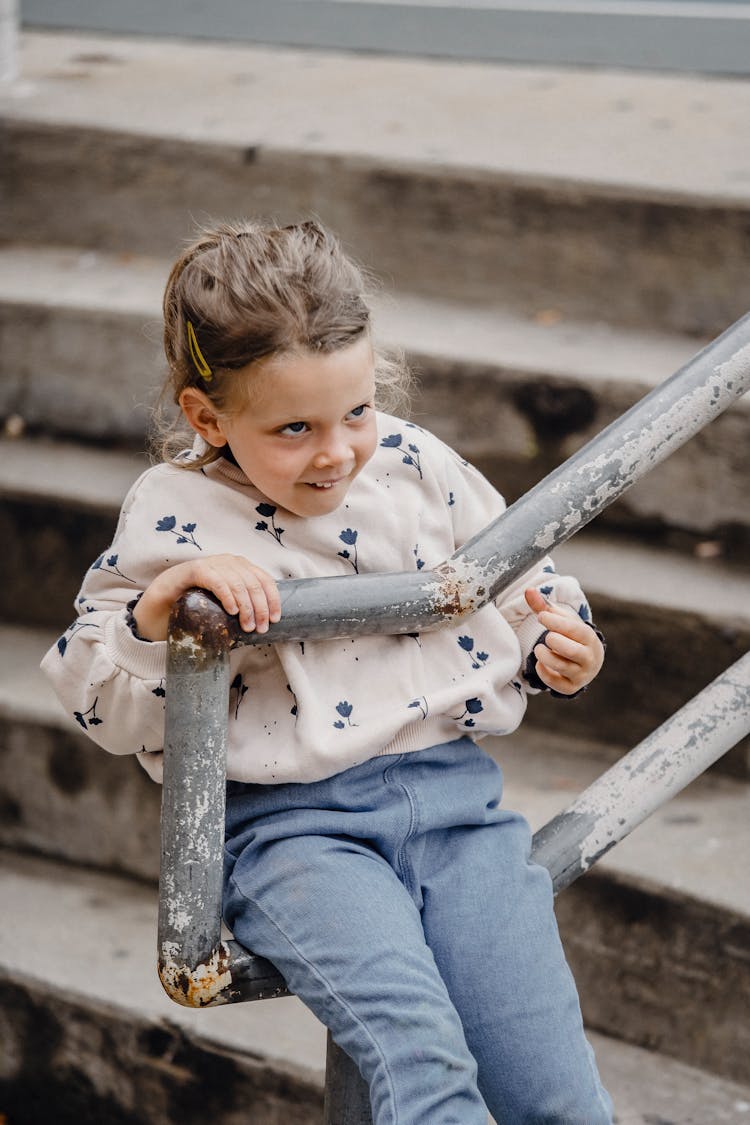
309,500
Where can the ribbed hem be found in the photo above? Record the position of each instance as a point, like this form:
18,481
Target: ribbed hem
421,734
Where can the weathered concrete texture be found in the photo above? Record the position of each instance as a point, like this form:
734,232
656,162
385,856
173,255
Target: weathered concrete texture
79,1063
517,427
549,122
464,236
45,547
515,396
91,1039
692,846
429,197
48,377
61,796
660,971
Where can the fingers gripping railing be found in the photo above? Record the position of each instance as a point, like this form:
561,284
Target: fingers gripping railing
195,966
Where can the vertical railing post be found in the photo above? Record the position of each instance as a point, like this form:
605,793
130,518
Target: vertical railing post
193,964
347,1097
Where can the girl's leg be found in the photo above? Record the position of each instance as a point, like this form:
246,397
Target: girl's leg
489,920
334,918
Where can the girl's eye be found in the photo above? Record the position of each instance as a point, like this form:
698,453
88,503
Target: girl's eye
294,428
358,411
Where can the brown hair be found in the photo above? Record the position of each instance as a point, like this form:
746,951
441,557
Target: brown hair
245,291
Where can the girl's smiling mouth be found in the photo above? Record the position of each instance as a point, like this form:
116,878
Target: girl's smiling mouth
326,483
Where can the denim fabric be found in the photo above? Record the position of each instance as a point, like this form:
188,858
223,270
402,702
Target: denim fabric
398,901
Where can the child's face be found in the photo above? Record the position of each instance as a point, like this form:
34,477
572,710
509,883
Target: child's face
308,429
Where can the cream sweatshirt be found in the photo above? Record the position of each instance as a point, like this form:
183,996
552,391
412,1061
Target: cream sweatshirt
304,711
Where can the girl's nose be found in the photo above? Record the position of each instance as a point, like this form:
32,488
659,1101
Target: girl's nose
334,450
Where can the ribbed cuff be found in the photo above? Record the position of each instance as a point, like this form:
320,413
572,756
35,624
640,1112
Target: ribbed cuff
145,659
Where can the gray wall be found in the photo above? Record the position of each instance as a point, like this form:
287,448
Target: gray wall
706,36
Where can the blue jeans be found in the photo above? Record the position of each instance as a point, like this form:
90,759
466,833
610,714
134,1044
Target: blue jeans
398,901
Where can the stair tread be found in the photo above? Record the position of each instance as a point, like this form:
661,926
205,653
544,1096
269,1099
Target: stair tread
102,951
65,471
54,277
695,845
550,123
692,846
107,928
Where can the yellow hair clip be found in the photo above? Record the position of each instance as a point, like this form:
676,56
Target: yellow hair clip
197,356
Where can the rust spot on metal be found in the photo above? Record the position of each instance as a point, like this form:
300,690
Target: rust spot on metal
201,987
199,630
461,588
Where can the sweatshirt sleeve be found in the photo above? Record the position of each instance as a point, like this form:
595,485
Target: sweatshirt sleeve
110,682
475,503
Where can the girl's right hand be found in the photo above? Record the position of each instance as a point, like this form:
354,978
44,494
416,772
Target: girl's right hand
242,589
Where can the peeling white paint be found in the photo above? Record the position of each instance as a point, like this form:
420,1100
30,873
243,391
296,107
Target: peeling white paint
639,451
547,536
736,367
187,642
179,920
665,762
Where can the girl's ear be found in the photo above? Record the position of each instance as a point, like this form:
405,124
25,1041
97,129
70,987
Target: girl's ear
202,416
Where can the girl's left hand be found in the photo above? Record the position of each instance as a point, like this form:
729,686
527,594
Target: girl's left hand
572,654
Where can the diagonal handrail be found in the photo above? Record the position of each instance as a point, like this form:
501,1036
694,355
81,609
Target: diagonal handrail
656,770
195,966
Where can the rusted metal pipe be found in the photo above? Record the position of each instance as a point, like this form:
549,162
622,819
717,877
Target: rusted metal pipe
645,779
195,966
193,962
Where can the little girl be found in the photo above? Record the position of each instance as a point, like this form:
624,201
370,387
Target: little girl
367,852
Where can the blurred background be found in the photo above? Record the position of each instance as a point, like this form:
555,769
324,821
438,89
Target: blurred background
555,198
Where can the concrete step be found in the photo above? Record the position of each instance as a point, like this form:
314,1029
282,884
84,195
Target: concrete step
90,1037
622,197
673,621
515,396
657,934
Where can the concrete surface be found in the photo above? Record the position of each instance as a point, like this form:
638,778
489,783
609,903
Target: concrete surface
107,929
611,128
514,395
604,195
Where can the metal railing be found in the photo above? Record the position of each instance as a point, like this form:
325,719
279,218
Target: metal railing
196,967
